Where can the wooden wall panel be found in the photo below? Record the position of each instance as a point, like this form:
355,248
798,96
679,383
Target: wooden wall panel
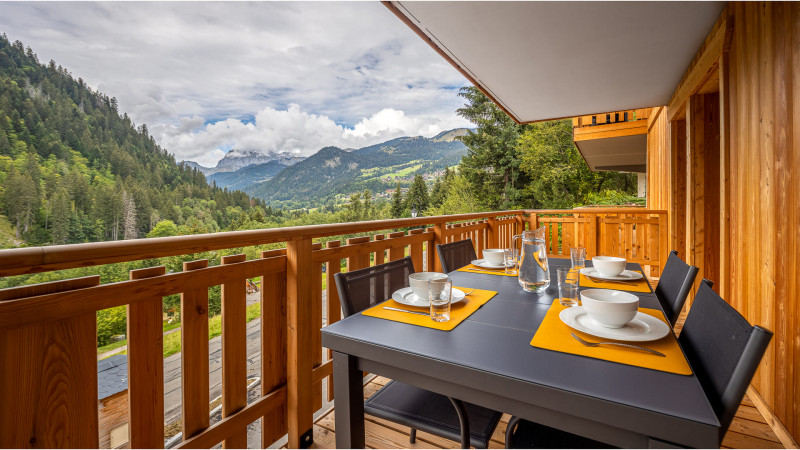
658,160
764,190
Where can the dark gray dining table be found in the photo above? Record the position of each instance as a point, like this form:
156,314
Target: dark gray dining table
488,360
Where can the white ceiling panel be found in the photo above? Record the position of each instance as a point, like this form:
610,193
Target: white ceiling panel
545,60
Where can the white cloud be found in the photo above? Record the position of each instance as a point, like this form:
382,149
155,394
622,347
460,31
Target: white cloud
293,130
197,73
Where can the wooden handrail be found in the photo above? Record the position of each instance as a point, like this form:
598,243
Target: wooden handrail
44,259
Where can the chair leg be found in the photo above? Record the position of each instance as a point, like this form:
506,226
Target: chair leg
412,437
463,421
512,424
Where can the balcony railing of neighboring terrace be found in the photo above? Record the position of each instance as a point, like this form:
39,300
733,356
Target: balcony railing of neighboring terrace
48,373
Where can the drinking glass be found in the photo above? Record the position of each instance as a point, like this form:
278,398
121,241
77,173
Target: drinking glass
510,261
568,286
440,293
578,257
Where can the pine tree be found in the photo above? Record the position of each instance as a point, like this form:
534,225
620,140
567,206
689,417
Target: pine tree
397,203
61,212
418,195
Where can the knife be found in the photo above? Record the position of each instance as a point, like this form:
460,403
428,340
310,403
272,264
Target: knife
406,311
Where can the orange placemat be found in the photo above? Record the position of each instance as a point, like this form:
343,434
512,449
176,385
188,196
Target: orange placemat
553,334
637,286
472,268
458,311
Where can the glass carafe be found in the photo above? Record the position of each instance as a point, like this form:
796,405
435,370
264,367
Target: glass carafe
534,272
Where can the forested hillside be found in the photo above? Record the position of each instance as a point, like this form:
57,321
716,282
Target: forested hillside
332,174
73,168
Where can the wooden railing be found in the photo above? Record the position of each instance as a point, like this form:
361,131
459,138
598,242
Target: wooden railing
48,373
611,117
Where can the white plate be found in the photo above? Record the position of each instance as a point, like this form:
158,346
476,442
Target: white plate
642,328
626,275
485,264
407,297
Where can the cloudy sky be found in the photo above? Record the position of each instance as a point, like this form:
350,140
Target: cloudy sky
208,77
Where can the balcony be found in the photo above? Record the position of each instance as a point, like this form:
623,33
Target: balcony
49,330
614,141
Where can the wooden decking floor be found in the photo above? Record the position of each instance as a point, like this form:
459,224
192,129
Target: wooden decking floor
748,430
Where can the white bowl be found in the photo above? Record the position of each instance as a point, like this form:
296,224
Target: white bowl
494,256
609,308
609,266
419,282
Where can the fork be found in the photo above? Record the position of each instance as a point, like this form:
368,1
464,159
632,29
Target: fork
470,292
595,344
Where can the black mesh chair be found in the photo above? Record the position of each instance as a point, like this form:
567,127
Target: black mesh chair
674,285
456,255
721,346
401,403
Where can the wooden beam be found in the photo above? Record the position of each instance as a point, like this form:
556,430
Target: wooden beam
274,359
702,66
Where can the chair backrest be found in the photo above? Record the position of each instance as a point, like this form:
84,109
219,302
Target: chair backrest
360,289
674,285
723,349
456,255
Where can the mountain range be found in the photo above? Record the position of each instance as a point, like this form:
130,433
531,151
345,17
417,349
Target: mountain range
332,174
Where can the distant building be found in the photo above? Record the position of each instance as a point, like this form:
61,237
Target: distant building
112,399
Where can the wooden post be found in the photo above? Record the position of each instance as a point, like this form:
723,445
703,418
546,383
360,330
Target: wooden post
234,350
299,380
492,238
146,367
48,376
194,356
334,303
274,338
358,261
430,251
416,251
438,238
724,182
592,235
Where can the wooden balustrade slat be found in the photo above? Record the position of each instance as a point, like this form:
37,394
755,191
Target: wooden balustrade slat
365,246
415,251
194,356
146,367
398,250
59,305
274,351
438,238
48,376
234,351
300,341
360,259
380,255
334,312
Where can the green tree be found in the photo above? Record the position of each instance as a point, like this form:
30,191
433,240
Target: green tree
418,195
21,200
163,228
440,187
559,176
492,165
61,212
398,206
458,199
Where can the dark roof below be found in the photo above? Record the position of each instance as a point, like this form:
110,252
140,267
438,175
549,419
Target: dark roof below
112,376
